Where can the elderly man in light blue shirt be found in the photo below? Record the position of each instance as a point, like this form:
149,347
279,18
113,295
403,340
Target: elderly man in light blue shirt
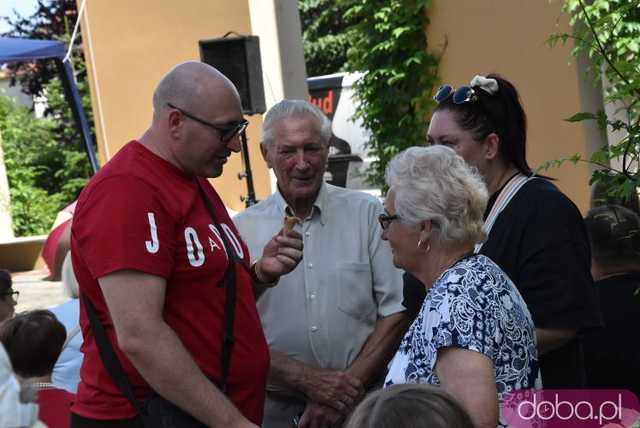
334,322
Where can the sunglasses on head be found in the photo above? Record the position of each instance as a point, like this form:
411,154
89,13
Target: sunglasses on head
464,94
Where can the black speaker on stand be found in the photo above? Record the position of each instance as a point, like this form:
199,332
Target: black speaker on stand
238,58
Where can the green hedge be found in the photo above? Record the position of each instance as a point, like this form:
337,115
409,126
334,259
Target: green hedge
43,175
389,45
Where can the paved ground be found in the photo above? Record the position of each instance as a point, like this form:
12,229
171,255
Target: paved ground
35,293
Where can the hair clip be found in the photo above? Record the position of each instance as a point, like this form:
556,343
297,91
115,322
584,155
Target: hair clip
488,85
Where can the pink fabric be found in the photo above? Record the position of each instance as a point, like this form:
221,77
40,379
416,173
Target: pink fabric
51,244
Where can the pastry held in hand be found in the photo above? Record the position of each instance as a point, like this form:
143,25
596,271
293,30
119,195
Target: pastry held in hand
289,223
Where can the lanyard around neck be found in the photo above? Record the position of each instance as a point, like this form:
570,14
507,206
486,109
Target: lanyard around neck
506,195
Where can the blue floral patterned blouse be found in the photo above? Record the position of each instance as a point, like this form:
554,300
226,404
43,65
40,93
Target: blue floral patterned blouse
473,305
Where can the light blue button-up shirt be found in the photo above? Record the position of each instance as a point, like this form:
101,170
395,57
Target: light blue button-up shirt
323,312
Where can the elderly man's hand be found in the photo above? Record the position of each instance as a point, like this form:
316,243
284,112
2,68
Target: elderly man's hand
338,390
318,416
281,255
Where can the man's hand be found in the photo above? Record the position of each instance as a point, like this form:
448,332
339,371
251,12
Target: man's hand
280,256
318,416
332,388
135,301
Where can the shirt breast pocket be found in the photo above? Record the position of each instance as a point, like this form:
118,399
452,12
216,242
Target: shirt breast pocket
355,290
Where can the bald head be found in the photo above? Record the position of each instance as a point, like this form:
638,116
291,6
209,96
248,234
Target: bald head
192,85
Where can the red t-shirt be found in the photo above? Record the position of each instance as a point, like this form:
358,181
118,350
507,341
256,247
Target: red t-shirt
140,212
54,407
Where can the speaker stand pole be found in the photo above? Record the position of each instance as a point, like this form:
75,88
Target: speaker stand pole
250,199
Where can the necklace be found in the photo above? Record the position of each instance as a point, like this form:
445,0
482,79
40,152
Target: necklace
42,385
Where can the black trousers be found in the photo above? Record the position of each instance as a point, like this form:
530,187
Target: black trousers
81,422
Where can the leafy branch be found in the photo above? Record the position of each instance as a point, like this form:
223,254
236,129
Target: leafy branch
608,32
601,48
45,162
389,46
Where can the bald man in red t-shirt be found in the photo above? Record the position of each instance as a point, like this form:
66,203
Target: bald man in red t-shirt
149,256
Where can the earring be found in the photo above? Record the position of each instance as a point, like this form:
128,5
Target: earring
426,250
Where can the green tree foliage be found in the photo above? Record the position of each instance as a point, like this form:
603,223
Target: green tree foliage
52,20
59,109
45,160
389,45
325,35
608,32
27,143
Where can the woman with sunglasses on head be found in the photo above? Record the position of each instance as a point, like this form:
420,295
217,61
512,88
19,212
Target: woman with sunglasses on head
474,335
535,233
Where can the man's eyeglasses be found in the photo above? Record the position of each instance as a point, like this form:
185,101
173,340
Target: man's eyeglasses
226,132
385,220
464,94
15,294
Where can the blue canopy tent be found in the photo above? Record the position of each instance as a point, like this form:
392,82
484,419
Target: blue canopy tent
13,49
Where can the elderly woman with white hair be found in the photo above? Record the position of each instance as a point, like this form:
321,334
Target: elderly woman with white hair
474,335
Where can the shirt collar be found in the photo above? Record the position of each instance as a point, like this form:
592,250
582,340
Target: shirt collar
319,205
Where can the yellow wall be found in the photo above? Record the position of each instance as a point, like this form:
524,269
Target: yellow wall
508,37
130,45
22,253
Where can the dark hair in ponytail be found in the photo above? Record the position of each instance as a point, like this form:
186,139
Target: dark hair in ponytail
501,113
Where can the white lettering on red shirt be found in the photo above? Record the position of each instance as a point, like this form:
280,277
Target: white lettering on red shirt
196,258
217,233
234,240
154,245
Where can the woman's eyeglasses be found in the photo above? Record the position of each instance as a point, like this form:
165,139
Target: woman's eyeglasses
464,94
385,220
